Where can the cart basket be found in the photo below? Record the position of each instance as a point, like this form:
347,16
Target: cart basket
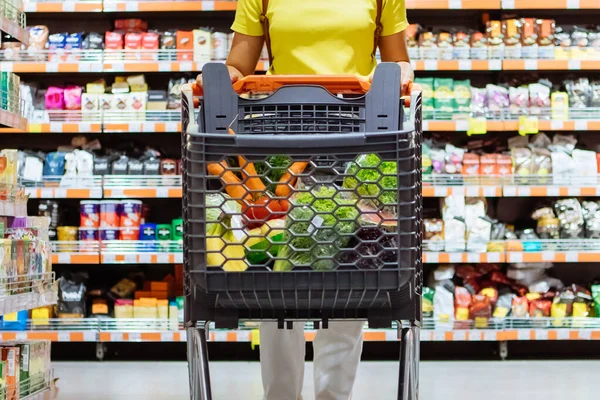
300,203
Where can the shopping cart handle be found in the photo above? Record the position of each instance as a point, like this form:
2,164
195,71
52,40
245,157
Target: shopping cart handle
336,84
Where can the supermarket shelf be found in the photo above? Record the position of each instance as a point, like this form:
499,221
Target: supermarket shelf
162,186
15,25
18,293
205,5
117,252
550,5
12,120
170,252
55,6
63,187
169,186
74,61
161,5
156,330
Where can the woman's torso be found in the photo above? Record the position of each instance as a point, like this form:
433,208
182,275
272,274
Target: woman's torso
322,36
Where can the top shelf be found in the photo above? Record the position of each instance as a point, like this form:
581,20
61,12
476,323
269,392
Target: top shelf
230,5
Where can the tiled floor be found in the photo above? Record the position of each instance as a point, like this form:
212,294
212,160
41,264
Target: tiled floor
508,380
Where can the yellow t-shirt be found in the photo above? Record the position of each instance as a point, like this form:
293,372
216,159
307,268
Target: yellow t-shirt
321,36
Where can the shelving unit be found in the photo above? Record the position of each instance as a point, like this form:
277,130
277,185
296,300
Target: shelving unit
162,190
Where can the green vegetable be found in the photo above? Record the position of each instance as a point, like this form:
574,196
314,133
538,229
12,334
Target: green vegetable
319,216
220,207
374,178
277,166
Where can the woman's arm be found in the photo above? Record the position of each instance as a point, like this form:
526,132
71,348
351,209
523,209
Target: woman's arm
393,49
243,57
244,54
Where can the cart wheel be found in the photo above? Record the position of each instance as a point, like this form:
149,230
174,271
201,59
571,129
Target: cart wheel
197,350
408,384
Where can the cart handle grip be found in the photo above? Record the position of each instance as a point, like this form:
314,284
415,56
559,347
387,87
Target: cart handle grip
336,84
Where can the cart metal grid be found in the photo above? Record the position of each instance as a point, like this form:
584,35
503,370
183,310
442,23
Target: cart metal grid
344,236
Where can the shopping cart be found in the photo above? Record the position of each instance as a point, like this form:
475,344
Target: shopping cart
341,235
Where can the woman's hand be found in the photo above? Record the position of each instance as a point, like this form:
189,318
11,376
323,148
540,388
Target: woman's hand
406,79
234,74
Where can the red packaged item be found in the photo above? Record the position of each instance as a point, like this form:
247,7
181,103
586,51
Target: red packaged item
497,276
504,165
491,293
168,167
150,41
462,301
481,310
484,269
472,285
113,41
131,25
131,233
471,164
488,164
133,41
466,272
520,307
540,308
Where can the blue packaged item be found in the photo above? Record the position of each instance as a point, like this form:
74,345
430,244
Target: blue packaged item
148,231
55,164
74,41
15,321
109,234
57,41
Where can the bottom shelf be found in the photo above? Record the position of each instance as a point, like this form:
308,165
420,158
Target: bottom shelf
155,330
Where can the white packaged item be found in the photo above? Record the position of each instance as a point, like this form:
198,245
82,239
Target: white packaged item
454,235
90,102
33,169
479,235
202,45
70,176
586,165
444,272
453,207
563,168
544,283
138,102
443,308
220,45
121,102
474,209
107,102
524,276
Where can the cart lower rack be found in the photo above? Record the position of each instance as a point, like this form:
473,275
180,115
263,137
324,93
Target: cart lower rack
302,205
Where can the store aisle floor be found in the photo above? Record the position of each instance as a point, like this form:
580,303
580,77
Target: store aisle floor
514,380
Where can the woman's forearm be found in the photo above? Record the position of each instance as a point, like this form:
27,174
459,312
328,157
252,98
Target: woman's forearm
244,54
393,48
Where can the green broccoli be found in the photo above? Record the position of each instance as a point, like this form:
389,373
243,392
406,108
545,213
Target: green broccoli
366,172
330,227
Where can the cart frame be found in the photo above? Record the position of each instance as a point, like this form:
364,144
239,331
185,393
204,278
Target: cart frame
408,329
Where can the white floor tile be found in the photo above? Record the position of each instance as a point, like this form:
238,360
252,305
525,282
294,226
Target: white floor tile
461,380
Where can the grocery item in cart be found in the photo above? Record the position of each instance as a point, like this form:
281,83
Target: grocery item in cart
327,218
224,233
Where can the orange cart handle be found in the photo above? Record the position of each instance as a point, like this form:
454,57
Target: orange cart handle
336,84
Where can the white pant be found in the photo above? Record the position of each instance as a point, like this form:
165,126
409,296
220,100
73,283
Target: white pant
337,355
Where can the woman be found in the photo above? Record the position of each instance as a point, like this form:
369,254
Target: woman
316,37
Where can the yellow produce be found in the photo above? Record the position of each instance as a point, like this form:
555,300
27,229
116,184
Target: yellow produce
224,250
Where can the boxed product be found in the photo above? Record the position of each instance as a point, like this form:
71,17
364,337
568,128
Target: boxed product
185,45
10,356
202,45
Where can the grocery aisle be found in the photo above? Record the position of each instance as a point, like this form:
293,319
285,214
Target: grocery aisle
515,380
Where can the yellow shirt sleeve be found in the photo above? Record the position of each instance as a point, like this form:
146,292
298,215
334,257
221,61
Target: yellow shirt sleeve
393,17
247,18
